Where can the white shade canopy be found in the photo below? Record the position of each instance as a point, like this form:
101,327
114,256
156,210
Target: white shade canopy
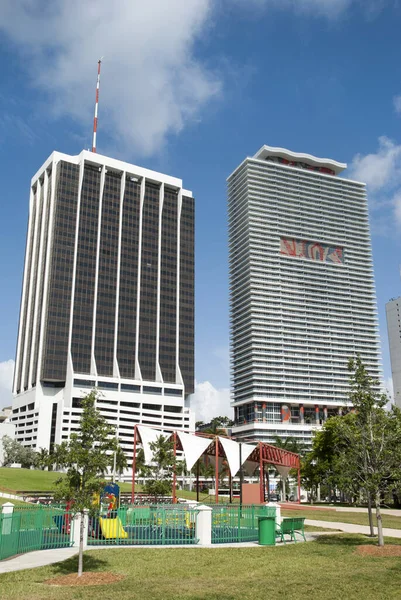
231,450
193,447
148,436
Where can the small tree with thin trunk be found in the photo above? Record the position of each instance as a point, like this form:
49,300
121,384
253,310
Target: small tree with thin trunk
87,456
373,451
159,473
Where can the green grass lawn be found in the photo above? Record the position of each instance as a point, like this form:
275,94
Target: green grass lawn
27,480
12,480
341,517
15,502
328,568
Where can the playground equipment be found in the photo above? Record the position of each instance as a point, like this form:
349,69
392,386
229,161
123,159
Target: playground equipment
108,525
112,528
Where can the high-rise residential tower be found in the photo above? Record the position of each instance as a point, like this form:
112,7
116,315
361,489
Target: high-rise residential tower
107,299
393,309
302,292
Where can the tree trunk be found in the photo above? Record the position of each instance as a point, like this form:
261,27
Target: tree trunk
379,520
81,545
370,514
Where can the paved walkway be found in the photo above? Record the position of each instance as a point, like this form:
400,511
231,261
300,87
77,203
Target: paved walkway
352,528
40,558
394,512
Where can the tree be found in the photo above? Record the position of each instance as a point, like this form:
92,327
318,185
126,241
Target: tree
43,458
120,461
159,473
361,450
218,426
87,456
15,452
59,456
328,444
374,445
310,476
290,443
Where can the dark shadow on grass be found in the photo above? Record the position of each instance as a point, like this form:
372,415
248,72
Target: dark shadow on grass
71,565
345,540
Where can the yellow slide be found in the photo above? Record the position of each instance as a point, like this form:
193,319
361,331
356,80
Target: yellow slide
112,528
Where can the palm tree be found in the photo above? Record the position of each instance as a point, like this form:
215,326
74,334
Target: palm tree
291,444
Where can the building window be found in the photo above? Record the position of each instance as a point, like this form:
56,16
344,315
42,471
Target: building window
128,387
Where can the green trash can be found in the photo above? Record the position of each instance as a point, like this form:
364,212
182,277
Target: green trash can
267,531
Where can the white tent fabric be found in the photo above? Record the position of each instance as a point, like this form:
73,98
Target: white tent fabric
283,471
193,447
246,451
231,450
148,436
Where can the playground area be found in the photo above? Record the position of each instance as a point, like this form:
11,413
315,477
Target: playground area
30,528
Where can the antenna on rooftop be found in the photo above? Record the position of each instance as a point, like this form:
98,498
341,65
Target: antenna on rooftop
99,62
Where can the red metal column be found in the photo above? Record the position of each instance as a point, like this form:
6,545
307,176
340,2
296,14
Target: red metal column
133,468
261,476
216,473
174,470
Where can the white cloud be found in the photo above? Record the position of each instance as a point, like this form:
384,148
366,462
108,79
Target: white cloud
152,82
381,171
397,104
6,381
208,402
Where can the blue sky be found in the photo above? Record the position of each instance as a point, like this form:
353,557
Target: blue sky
191,87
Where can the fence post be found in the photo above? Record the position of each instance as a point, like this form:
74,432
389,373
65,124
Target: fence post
203,525
75,529
7,511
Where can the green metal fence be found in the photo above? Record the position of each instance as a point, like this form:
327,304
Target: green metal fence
150,525
235,523
27,530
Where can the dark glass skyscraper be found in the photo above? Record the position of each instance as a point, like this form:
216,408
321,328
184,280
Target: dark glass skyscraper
107,299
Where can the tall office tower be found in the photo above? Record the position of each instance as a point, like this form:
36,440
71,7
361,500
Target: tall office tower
302,292
393,308
107,299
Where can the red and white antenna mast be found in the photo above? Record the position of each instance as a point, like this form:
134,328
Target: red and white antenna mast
99,62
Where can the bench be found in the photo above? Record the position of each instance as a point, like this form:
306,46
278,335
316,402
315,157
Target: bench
291,527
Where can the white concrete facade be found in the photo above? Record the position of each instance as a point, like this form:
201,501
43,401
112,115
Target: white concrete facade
302,292
393,308
46,408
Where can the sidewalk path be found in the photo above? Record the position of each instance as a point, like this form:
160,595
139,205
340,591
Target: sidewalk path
394,512
40,558
352,528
